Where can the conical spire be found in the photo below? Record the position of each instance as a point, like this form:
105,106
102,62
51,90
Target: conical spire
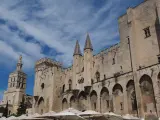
88,44
19,64
77,50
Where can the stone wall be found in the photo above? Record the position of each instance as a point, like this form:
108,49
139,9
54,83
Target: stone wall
123,79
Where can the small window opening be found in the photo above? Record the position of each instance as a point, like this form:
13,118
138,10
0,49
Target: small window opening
147,32
105,77
70,84
113,62
121,104
107,101
98,76
42,86
63,89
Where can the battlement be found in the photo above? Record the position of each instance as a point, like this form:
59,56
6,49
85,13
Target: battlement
47,61
110,49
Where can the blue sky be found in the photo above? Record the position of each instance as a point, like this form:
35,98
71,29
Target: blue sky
50,28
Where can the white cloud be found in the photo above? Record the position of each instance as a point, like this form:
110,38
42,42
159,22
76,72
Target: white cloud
56,24
9,55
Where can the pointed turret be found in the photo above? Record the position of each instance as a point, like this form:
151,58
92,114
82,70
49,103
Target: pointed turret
88,44
19,64
77,50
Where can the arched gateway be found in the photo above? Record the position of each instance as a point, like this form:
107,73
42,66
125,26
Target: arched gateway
147,93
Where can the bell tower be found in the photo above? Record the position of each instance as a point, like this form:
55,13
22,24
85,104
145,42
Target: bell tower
17,79
16,87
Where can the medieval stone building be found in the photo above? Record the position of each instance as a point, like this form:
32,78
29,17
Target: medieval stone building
124,78
16,90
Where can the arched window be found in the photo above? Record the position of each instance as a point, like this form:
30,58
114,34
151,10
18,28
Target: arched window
73,102
42,86
105,103
118,98
98,76
82,105
113,62
63,89
93,97
64,104
147,92
83,69
41,105
22,85
70,84
132,102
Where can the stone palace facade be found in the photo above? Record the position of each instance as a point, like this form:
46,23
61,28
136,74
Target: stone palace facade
124,78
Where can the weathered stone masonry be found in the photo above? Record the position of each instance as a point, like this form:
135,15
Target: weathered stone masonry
123,79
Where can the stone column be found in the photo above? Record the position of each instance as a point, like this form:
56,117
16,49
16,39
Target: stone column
114,105
88,103
138,96
98,104
156,92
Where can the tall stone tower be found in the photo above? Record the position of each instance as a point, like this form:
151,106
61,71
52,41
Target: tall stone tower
46,86
88,61
16,88
77,58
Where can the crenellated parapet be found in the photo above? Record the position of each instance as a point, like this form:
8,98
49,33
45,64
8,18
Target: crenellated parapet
47,62
112,49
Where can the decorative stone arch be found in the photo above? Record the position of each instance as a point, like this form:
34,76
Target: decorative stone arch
64,104
73,102
130,83
117,87
41,105
118,99
105,100
131,97
82,101
82,94
147,94
93,98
